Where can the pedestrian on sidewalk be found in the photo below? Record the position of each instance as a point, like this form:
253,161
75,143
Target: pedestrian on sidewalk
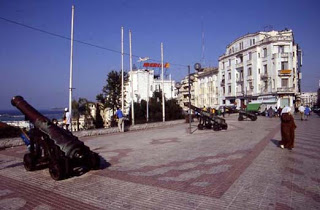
66,118
301,111
119,115
307,112
287,129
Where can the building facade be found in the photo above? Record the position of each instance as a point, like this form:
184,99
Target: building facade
309,98
206,88
262,64
145,83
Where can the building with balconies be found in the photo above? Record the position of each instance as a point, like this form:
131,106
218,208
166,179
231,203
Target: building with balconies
183,91
261,64
206,91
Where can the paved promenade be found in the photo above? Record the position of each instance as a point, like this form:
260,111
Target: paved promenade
167,168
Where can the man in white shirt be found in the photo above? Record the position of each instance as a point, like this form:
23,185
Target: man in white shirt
301,111
68,118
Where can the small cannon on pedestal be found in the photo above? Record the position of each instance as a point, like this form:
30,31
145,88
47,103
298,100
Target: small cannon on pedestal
53,146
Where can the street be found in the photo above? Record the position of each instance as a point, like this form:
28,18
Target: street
167,168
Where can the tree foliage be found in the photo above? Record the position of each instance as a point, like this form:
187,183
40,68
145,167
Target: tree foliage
111,92
172,109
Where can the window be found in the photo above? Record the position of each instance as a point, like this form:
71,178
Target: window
241,45
224,90
229,62
258,55
222,65
253,41
259,71
284,65
265,52
293,54
250,85
265,69
249,71
229,75
281,49
229,89
250,55
284,82
266,85
250,42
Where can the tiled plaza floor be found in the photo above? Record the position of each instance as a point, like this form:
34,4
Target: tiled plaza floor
167,168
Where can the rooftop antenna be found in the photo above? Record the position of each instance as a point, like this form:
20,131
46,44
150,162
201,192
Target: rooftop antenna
203,62
268,28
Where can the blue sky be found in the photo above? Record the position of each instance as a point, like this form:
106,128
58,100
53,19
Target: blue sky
36,65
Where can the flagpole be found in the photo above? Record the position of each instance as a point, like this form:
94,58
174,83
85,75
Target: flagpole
131,78
163,102
122,97
71,68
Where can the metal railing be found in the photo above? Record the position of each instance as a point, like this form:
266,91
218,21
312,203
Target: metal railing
285,89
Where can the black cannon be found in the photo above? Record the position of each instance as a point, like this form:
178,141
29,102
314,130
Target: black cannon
246,114
53,146
209,121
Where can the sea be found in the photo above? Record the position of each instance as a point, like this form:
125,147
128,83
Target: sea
16,115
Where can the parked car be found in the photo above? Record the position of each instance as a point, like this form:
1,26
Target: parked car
315,109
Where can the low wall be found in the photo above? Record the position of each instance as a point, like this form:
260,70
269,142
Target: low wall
11,142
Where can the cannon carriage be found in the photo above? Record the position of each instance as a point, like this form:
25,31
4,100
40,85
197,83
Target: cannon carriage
247,114
208,121
53,146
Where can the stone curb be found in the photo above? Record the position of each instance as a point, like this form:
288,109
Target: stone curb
12,142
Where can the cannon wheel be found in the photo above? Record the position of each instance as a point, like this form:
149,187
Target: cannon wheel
29,162
200,126
224,126
94,161
57,170
254,118
208,126
216,127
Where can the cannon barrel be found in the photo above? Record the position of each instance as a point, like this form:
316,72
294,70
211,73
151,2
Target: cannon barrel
69,144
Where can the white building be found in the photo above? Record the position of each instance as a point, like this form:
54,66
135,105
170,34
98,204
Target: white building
144,83
261,64
206,88
309,98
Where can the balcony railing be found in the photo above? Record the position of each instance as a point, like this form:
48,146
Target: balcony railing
239,93
284,55
238,65
250,77
239,80
285,72
249,62
285,89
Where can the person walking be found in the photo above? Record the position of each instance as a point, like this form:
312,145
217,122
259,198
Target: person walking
270,112
119,115
301,111
67,118
307,112
288,127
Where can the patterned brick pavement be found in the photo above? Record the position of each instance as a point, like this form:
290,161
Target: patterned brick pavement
166,168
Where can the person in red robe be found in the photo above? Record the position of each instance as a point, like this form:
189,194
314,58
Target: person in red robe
287,129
